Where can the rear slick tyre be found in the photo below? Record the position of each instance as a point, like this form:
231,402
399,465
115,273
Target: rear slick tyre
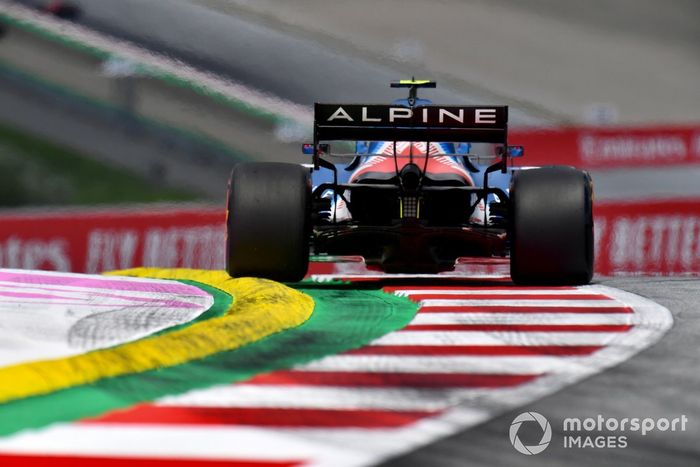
551,231
267,222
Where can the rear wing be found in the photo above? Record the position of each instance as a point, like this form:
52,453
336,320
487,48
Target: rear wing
434,123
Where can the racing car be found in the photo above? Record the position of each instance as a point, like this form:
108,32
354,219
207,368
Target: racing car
408,193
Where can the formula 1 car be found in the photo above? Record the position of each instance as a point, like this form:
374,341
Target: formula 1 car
411,203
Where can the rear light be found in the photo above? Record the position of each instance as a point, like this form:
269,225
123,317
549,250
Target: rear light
410,207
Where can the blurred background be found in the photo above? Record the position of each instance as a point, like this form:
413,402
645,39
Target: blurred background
120,120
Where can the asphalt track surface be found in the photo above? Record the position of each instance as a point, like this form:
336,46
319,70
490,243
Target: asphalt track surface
659,382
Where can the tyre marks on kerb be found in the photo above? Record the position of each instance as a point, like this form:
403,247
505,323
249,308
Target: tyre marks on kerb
469,354
261,308
53,315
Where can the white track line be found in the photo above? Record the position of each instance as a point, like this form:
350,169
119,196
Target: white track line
316,397
382,276
506,303
11,301
339,398
488,291
79,291
172,442
329,447
448,338
510,365
524,318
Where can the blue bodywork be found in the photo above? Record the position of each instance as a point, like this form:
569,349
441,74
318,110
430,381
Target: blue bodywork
496,179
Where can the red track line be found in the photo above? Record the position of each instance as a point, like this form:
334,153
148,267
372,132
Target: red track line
22,460
262,417
468,296
524,309
521,327
408,380
488,350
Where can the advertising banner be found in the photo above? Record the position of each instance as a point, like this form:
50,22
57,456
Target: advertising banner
107,239
659,237
608,148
